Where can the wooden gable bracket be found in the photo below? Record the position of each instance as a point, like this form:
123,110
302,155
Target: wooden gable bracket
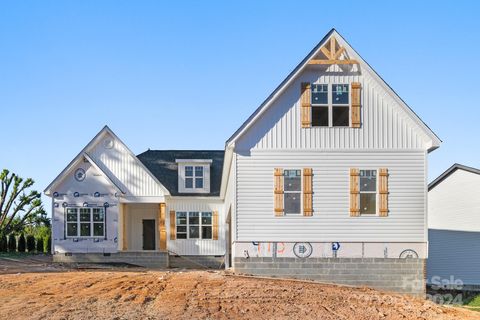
332,54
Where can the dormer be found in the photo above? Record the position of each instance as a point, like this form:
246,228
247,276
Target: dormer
194,175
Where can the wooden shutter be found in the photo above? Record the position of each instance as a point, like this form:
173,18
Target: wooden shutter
307,192
162,227
306,105
215,225
355,110
278,191
173,234
354,193
383,191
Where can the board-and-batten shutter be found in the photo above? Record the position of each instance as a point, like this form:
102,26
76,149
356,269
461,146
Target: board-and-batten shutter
278,191
215,225
383,191
355,110
307,192
162,227
354,192
306,105
173,234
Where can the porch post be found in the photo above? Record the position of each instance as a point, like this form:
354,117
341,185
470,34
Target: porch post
162,230
124,226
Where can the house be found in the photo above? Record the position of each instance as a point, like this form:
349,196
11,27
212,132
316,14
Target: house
326,180
454,228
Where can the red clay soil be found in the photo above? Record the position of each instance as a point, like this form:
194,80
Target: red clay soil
119,294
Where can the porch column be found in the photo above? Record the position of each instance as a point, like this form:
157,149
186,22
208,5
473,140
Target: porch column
162,230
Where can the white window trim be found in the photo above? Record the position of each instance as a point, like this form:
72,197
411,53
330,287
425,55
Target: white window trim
301,192
182,164
194,177
78,222
330,105
188,225
377,181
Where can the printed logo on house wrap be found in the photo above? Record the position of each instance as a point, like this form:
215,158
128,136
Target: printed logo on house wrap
302,249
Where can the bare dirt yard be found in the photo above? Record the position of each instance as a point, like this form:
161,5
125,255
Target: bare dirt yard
33,288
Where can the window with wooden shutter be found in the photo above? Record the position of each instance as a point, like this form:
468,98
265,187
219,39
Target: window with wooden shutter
354,193
307,192
278,192
172,225
383,191
215,225
355,109
306,105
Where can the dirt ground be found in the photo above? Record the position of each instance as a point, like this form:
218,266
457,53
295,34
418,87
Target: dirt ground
33,288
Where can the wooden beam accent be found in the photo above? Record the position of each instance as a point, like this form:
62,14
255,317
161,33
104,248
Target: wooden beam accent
326,52
162,229
338,53
123,208
324,62
333,44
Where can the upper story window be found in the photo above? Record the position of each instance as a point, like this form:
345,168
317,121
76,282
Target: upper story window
194,175
368,191
330,110
292,182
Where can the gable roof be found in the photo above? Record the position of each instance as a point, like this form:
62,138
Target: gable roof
83,154
449,171
163,165
303,64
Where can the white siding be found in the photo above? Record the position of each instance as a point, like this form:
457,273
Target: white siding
197,246
385,125
124,169
454,204
331,221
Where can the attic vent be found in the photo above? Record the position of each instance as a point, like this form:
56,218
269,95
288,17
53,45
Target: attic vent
108,143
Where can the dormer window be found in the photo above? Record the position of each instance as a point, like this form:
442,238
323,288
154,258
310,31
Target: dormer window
194,175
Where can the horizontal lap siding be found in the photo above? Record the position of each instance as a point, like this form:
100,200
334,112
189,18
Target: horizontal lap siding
331,220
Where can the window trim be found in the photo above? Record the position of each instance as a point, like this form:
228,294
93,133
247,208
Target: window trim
78,223
330,105
187,225
301,192
377,194
194,177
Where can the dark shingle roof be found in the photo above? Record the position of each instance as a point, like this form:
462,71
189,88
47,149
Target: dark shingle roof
449,171
162,165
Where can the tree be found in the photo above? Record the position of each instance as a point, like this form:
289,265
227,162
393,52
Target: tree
40,247
18,206
30,243
21,243
48,248
3,243
12,243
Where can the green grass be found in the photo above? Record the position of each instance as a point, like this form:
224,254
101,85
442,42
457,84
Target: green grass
17,254
474,302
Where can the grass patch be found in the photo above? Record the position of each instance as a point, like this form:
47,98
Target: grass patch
474,302
18,255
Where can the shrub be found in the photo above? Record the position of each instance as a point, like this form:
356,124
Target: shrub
21,243
48,248
30,243
3,243
12,243
40,248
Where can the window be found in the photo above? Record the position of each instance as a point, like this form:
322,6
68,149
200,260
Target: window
368,191
194,225
85,222
194,176
292,181
333,110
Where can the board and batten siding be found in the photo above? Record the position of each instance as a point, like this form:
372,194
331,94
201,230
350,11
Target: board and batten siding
197,246
384,124
331,221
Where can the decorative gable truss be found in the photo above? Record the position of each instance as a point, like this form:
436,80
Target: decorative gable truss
332,53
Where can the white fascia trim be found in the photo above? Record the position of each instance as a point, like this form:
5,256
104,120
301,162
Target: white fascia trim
193,160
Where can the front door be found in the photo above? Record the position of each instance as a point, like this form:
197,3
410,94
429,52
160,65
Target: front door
148,234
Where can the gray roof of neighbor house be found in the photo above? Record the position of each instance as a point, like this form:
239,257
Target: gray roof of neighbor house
449,171
162,165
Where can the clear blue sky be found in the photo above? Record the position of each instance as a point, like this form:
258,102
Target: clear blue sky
185,75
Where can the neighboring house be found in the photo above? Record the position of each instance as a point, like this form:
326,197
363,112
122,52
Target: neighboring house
326,180
454,227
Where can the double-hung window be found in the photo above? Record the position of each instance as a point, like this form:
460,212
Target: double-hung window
292,181
193,177
330,105
194,225
85,222
368,192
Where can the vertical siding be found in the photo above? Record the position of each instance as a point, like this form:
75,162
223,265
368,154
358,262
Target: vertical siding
331,221
125,170
197,246
385,125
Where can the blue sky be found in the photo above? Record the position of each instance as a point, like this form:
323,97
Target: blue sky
185,75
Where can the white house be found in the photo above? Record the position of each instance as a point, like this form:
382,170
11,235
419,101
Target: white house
326,180
454,227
